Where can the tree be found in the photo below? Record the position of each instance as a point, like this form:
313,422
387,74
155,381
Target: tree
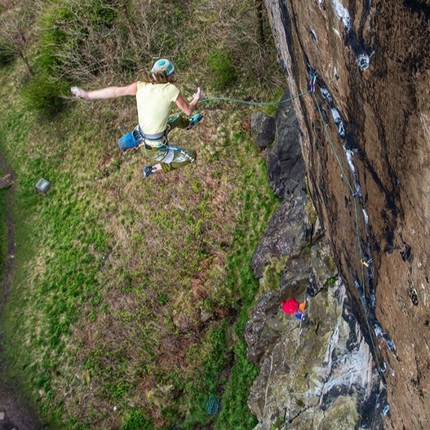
15,28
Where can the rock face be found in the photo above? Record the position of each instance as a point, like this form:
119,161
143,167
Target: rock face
364,135
316,372
319,373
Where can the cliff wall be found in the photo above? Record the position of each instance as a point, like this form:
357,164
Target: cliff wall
364,134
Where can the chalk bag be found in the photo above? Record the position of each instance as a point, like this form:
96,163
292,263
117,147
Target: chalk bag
127,142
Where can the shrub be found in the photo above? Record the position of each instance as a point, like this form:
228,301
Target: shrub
43,95
15,33
224,73
89,39
7,52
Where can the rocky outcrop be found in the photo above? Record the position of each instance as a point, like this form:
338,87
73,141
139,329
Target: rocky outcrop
364,136
6,181
316,373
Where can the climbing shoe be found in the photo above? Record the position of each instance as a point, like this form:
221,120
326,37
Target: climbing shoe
147,171
194,120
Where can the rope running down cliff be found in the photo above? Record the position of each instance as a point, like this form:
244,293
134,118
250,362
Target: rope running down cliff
380,367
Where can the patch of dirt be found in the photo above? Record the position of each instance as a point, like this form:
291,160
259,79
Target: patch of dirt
15,413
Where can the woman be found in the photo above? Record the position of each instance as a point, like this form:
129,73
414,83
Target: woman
155,99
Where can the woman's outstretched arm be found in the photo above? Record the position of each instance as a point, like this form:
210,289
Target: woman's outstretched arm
105,93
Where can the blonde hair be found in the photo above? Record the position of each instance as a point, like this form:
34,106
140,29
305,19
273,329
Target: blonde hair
158,78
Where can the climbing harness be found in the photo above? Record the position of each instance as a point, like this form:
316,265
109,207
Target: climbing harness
161,143
151,141
136,139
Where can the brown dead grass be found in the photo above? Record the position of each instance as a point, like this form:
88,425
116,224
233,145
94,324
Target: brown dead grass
156,279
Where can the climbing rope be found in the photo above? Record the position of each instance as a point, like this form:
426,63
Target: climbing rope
246,102
363,261
345,177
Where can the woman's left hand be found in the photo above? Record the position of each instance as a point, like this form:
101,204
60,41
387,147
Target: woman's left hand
198,95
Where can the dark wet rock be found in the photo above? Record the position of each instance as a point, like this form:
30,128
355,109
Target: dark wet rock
287,233
262,129
260,334
286,168
295,277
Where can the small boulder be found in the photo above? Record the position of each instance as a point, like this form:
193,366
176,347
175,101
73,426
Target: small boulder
6,181
263,129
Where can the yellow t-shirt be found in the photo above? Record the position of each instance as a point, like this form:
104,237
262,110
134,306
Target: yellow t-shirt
154,105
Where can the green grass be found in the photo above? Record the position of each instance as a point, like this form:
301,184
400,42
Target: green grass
3,225
130,297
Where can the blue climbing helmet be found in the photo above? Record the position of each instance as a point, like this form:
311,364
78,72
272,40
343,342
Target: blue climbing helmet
163,66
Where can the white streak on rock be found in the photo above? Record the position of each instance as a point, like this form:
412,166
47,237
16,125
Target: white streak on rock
342,13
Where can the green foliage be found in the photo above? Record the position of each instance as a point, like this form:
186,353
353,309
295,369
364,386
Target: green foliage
71,40
102,14
331,281
272,275
235,413
136,420
63,37
86,39
43,95
16,28
3,227
280,422
7,52
54,21
223,71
